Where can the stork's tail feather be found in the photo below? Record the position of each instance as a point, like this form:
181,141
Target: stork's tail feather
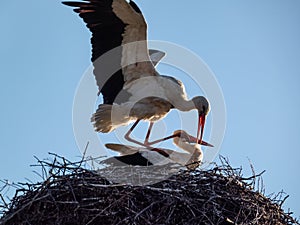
101,119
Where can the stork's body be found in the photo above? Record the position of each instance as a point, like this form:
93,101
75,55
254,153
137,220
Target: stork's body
140,156
135,91
151,99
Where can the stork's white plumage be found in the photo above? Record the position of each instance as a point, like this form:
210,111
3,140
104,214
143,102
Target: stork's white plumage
136,91
140,156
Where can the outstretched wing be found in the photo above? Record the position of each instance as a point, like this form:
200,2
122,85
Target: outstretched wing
122,149
118,25
135,61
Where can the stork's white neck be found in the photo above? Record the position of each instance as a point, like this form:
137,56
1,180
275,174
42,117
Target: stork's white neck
184,105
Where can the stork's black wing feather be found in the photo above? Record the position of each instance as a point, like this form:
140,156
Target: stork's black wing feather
135,7
135,159
107,30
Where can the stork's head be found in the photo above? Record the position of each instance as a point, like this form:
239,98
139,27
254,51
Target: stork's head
191,145
182,136
202,105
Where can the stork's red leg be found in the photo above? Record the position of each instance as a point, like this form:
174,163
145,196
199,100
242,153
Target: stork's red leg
146,142
162,139
127,135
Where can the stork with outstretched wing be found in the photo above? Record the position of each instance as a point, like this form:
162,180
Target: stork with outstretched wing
134,91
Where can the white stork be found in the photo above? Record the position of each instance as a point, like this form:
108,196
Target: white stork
136,91
140,156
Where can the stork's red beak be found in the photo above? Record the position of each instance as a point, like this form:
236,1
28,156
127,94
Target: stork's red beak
195,140
201,124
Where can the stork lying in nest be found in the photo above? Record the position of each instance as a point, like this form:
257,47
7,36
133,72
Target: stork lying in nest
142,156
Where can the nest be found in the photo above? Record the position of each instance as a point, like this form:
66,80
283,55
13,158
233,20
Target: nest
73,194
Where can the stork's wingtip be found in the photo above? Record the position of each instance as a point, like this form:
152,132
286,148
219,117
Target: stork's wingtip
64,3
110,145
156,56
70,3
115,147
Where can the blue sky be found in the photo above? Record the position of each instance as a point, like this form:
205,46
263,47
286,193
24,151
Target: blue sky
252,47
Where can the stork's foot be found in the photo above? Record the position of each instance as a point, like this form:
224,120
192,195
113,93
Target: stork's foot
128,138
147,143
